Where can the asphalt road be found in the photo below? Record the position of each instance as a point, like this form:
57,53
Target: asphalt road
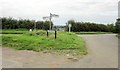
102,49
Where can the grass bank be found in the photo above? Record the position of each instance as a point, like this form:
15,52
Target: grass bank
92,32
66,42
118,35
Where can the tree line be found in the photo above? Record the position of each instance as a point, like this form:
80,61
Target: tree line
10,23
87,26
117,26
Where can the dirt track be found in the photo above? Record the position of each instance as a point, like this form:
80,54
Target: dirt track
103,53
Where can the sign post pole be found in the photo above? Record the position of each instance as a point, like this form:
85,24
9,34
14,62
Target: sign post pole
50,19
69,27
47,33
55,34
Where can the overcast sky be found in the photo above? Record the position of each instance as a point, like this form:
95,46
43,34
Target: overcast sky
99,11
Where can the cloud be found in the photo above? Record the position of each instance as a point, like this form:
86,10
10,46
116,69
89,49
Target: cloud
119,9
80,10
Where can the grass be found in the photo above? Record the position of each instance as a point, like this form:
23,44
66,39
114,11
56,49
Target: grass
118,35
14,31
93,32
66,42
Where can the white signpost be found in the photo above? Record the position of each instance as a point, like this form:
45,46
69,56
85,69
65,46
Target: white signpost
69,25
50,17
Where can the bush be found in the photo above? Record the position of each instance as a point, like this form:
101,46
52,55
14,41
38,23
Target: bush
38,32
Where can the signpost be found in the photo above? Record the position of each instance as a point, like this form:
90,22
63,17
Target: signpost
50,19
69,25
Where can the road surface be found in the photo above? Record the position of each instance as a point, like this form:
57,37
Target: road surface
102,49
0,57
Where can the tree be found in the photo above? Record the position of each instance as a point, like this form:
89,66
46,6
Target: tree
87,26
10,23
111,27
39,25
72,22
117,26
46,25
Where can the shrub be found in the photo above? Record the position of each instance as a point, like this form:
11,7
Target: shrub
38,32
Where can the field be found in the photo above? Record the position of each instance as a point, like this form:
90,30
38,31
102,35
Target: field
38,41
14,31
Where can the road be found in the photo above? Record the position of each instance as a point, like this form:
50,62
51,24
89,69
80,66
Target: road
0,57
102,49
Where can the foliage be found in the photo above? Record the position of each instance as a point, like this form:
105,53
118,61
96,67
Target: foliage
118,35
38,32
88,27
10,23
117,26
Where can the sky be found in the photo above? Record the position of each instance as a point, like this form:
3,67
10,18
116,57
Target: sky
98,11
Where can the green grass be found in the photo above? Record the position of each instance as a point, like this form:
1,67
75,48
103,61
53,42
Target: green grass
92,32
38,41
14,31
118,35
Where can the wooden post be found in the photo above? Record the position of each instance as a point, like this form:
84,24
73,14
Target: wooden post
55,34
47,33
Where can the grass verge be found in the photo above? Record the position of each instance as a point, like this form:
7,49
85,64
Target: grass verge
66,42
118,35
14,31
